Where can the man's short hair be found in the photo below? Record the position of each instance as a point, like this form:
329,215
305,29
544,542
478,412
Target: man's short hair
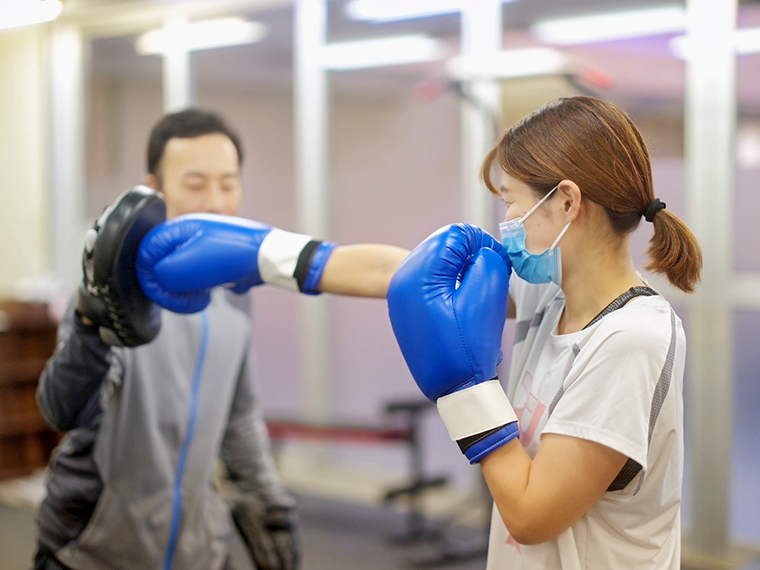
186,124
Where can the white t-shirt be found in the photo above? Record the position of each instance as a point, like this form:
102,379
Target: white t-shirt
618,382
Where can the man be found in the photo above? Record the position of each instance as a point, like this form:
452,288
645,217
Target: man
131,485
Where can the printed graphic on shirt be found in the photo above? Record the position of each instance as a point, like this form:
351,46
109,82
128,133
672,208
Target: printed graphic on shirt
530,414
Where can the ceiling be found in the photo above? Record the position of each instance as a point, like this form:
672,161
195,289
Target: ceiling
641,70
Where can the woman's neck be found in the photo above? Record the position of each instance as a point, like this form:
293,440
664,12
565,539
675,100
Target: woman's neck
593,283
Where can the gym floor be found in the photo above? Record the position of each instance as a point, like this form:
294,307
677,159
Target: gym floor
335,536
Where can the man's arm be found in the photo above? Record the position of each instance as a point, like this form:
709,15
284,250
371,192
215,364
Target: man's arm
263,511
362,270
246,449
69,387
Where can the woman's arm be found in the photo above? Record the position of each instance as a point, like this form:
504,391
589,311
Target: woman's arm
539,499
361,270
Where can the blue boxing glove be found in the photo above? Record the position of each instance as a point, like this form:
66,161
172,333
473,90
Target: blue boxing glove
448,305
182,259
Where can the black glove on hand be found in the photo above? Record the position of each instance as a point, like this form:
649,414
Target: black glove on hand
270,532
110,295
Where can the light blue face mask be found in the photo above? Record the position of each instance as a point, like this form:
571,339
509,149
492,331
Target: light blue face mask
532,267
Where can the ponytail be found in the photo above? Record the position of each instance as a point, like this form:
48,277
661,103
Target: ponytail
674,252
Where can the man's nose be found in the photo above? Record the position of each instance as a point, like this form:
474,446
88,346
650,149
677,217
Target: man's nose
215,203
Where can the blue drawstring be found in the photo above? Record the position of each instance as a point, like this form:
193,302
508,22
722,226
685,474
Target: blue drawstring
177,501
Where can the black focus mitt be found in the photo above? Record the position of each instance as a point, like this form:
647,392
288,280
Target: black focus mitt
110,295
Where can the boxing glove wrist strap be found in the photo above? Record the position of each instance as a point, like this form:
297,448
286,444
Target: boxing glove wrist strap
311,265
292,261
476,410
476,447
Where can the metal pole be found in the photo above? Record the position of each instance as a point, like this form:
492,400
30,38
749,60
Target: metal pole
312,191
710,131
67,164
481,36
177,70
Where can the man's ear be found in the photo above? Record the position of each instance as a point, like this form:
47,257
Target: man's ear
151,181
571,199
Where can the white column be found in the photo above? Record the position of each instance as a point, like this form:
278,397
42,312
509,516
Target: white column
481,36
311,108
177,71
68,216
710,131
24,249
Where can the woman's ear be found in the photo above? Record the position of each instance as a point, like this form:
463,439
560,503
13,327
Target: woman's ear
571,198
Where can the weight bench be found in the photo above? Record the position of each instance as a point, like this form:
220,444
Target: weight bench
403,427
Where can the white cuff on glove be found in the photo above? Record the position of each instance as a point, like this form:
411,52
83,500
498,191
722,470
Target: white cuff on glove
475,410
278,257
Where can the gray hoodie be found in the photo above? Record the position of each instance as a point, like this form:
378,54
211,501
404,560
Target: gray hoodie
132,484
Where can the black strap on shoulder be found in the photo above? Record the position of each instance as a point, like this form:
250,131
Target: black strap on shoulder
626,475
631,468
632,293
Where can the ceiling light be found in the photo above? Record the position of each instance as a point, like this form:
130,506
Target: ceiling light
510,64
17,13
394,10
746,41
397,50
611,26
195,36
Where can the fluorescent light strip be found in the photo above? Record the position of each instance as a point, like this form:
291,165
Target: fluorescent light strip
395,10
679,47
17,13
510,64
611,26
208,34
399,50
392,10
746,42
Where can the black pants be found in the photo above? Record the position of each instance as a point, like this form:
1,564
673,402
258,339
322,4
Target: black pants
44,560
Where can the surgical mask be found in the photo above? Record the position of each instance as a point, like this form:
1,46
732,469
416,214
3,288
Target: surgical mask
532,267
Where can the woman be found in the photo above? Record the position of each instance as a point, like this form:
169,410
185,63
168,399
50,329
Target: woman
596,375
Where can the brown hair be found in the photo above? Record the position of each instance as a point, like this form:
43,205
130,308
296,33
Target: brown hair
597,146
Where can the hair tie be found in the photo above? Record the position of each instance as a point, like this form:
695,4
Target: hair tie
653,208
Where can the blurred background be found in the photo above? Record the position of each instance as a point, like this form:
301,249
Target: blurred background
365,121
